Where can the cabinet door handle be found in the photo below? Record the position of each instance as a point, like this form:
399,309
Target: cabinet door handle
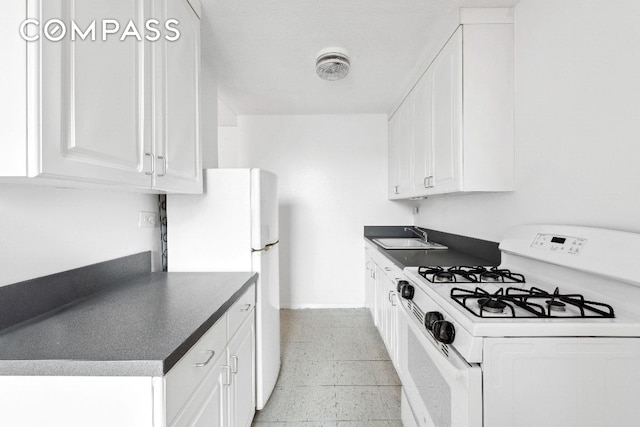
395,189
227,377
430,181
206,362
387,269
153,164
164,165
426,182
245,308
389,296
234,364
392,299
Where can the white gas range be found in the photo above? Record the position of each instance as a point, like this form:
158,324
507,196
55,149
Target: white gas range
548,338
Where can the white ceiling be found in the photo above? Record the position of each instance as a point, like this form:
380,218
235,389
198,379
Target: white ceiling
265,50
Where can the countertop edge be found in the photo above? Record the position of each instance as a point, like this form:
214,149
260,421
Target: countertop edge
183,348
156,367
383,251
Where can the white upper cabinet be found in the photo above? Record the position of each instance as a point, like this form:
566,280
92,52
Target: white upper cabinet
103,111
177,148
446,117
393,156
461,127
401,145
94,98
422,153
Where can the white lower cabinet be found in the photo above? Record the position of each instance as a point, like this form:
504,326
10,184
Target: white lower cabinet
384,299
183,384
380,319
212,385
226,396
387,296
241,357
209,404
370,285
389,328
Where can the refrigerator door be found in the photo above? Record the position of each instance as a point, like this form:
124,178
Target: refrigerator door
212,232
265,263
264,209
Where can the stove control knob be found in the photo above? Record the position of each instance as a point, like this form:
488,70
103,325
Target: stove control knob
407,291
444,332
401,283
431,318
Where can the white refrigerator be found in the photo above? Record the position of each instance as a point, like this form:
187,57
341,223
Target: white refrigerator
234,227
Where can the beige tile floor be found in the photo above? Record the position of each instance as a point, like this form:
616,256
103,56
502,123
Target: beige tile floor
335,372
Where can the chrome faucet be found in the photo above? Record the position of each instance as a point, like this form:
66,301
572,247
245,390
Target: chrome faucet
418,232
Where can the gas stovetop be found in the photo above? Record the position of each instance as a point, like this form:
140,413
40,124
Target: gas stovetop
509,301
533,302
544,287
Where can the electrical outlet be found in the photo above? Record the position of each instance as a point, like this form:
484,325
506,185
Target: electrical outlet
147,219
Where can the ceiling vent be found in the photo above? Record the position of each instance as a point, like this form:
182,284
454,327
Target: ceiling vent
332,64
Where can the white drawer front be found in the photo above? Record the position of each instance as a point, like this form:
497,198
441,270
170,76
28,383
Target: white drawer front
390,269
183,379
240,310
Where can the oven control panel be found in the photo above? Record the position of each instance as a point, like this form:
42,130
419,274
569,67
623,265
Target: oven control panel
555,243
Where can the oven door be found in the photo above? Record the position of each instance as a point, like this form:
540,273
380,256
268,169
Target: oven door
442,389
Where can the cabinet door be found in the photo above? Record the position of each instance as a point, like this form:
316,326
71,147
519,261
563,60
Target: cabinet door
393,156
447,116
241,353
393,328
405,145
209,405
390,321
422,156
94,97
402,343
370,285
387,307
379,295
385,287
177,145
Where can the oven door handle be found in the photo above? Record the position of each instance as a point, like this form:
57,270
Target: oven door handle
444,364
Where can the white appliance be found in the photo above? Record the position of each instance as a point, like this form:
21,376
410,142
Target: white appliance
549,338
234,227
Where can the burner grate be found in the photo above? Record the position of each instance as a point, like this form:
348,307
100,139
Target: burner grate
470,274
534,301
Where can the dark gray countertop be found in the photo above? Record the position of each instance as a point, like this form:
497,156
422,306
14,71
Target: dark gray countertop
139,328
462,250
445,258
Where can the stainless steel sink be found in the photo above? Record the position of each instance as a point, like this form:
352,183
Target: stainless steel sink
407,243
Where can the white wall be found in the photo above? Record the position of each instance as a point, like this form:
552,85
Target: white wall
577,124
332,172
47,230
228,146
